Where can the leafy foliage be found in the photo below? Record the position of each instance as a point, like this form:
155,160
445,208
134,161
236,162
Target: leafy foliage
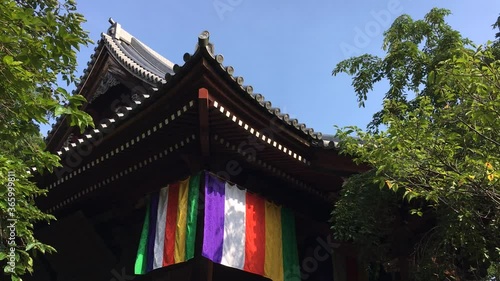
414,49
441,142
369,229
38,44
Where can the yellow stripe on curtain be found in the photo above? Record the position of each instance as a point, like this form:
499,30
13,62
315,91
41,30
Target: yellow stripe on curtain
180,234
273,266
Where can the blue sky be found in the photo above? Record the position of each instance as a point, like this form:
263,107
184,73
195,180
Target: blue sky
285,49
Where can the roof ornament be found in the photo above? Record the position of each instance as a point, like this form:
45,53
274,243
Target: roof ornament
230,70
112,28
204,41
186,57
203,38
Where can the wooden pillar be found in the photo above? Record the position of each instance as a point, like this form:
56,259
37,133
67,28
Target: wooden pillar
203,107
203,270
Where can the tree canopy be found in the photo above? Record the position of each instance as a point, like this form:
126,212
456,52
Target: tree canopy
38,44
436,144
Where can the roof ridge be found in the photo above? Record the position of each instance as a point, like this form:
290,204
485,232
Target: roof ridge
205,46
118,32
128,62
155,54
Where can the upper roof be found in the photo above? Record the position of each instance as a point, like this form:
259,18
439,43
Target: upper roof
154,69
135,56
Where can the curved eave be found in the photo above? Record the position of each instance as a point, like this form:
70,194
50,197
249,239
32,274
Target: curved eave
205,49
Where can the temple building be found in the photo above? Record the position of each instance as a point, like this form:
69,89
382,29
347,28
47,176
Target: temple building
188,175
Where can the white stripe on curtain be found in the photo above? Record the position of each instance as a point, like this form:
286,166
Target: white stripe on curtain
161,220
233,250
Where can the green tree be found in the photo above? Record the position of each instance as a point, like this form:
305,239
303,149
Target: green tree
38,44
436,142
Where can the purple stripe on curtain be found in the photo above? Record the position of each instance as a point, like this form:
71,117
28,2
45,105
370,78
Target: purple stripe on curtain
213,234
152,230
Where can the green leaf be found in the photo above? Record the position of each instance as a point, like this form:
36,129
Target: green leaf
8,60
32,245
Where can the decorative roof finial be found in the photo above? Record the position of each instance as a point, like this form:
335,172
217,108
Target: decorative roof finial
203,38
111,21
204,42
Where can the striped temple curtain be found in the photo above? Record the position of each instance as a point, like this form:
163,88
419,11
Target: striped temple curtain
245,231
169,229
241,230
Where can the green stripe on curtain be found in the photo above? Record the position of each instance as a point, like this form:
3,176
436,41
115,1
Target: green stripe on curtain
141,259
290,254
193,197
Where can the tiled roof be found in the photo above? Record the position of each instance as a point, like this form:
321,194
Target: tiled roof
134,55
155,69
139,59
327,142
207,48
